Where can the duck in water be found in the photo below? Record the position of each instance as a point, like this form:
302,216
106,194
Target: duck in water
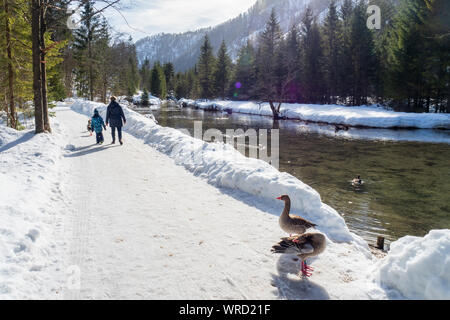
357,181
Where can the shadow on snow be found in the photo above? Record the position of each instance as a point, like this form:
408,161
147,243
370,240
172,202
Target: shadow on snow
26,137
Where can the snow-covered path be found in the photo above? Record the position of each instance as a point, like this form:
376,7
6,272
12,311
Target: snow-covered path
140,226
133,237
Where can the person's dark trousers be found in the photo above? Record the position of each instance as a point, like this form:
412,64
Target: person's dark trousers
99,137
119,133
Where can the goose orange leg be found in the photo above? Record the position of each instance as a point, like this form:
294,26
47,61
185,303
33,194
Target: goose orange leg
306,270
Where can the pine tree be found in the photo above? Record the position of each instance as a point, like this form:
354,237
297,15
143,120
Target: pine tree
418,56
362,55
145,98
132,70
84,40
245,77
345,57
206,68
292,65
144,73
222,73
169,74
381,47
15,58
435,29
181,86
312,74
194,84
158,81
268,64
282,78
269,42
102,52
332,34
56,89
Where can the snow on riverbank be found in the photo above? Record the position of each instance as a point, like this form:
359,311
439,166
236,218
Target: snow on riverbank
418,267
152,100
224,166
29,221
366,116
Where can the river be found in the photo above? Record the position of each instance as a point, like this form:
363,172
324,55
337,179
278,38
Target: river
406,188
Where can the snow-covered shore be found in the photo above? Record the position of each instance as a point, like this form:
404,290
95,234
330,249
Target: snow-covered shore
364,116
152,100
237,235
224,166
418,267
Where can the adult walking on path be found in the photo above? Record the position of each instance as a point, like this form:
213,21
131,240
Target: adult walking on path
114,117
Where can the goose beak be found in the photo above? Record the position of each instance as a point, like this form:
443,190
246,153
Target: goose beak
279,198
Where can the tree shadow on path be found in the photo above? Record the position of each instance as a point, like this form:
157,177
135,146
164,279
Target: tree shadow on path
27,136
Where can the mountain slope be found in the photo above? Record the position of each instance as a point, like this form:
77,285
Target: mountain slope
183,49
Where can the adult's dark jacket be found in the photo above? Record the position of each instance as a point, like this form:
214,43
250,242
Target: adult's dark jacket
114,115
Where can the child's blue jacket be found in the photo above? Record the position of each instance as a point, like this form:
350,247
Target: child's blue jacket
97,124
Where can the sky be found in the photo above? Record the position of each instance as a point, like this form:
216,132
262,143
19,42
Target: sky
148,17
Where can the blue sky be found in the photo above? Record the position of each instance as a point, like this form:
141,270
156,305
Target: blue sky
147,17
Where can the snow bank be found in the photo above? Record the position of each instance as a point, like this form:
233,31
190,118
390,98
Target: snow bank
28,223
223,166
186,102
137,98
8,134
419,268
353,116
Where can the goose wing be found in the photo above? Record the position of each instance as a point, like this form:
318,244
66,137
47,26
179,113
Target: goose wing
287,245
296,220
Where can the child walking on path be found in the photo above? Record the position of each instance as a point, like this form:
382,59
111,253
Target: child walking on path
98,125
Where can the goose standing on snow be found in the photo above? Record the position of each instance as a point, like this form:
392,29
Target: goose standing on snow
290,223
304,246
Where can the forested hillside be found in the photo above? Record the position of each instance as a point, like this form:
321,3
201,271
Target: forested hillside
336,59
183,49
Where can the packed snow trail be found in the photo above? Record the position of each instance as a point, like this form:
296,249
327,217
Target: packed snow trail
143,227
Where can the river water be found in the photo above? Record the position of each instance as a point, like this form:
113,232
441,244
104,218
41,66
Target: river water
406,188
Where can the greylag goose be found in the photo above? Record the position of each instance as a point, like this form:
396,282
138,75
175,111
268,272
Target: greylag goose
304,246
290,223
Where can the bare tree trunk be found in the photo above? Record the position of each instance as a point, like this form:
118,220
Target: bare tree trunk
91,73
105,88
36,53
42,31
6,108
275,112
12,108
